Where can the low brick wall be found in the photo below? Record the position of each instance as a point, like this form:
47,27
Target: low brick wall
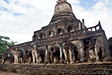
59,69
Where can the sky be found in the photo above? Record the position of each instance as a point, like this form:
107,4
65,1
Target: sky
20,18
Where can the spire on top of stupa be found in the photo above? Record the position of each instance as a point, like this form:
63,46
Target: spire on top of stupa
59,1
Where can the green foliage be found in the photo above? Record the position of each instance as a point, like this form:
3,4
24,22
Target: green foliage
4,42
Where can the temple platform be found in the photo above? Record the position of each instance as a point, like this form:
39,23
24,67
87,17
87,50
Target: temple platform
102,68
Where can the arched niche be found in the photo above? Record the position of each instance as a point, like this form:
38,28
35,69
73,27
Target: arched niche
54,48
41,36
54,54
59,31
41,55
73,48
50,33
69,29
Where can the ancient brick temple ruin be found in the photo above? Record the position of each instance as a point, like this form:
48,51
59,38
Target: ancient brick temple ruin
64,40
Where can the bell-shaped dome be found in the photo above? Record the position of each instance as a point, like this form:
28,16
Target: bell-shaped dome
62,7
63,11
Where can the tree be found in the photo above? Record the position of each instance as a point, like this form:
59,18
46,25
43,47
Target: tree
4,42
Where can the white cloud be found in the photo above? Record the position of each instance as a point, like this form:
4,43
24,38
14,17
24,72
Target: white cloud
99,12
34,14
74,1
106,0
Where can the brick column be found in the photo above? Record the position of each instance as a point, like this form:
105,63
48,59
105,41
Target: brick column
61,52
79,26
81,50
65,54
46,54
15,57
71,59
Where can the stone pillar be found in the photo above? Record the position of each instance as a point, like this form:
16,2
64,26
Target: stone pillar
34,54
81,50
97,47
51,57
46,54
71,59
65,54
79,26
61,52
106,48
83,25
15,57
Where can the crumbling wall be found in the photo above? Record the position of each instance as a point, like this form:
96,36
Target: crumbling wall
59,69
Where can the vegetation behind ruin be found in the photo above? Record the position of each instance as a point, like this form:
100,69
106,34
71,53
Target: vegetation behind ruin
5,42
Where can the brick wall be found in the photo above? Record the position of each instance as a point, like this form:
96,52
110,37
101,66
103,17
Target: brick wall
58,69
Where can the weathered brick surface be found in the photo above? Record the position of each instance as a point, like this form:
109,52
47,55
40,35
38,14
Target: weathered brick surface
59,69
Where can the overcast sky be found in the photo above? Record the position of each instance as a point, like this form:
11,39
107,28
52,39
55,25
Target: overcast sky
20,18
